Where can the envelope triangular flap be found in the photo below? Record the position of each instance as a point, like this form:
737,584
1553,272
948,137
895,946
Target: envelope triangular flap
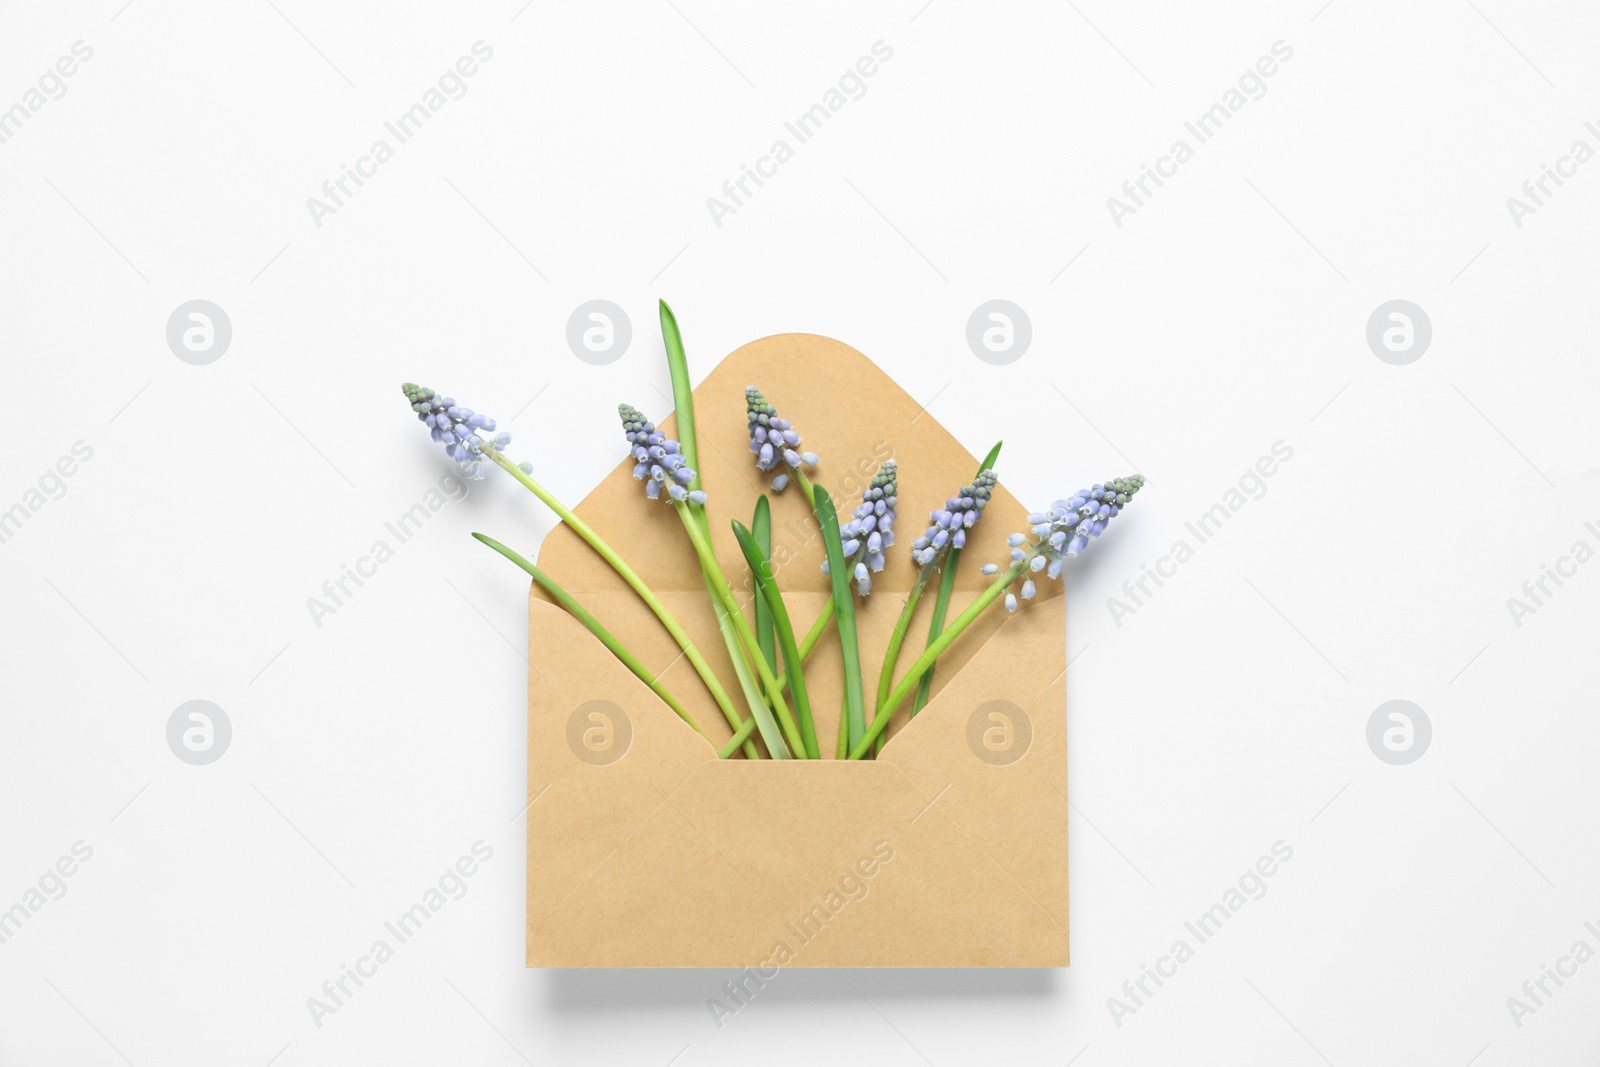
846,410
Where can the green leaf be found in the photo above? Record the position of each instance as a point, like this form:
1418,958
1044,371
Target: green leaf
844,601
578,612
682,391
683,407
941,603
761,567
761,530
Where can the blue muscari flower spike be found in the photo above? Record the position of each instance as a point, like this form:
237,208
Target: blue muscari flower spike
1067,528
658,459
949,525
773,438
871,528
457,428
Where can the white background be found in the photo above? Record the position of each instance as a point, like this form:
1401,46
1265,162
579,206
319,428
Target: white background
1227,713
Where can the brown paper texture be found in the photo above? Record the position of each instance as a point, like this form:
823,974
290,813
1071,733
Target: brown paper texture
645,850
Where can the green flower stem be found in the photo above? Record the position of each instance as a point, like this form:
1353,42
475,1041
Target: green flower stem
760,713
761,568
941,602
896,639
849,647
578,611
831,608
903,688
941,606
607,553
724,592
738,739
818,628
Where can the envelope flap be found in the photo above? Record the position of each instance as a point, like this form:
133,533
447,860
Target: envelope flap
848,411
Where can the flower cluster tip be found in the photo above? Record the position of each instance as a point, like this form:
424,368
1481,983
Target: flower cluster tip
773,438
658,459
871,526
458,428
948,525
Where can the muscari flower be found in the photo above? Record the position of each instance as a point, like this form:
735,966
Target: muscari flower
949,525
658,459
773,438
459,429
871,527
1066,530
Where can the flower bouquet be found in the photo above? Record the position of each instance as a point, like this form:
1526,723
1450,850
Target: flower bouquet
757,720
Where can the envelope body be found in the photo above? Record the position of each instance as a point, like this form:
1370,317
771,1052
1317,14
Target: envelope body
646,850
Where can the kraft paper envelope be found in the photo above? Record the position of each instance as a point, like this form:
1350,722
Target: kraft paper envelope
645,850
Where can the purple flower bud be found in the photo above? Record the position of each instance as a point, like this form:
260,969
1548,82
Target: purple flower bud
659,456
1068,527
869,530
948,525
773,438
455,427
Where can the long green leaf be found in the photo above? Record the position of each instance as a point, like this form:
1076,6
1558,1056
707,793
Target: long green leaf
682,391
760,711
843,751
941,603
740,637
844,601
761,567
761,530
652,601
683,407
578,612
